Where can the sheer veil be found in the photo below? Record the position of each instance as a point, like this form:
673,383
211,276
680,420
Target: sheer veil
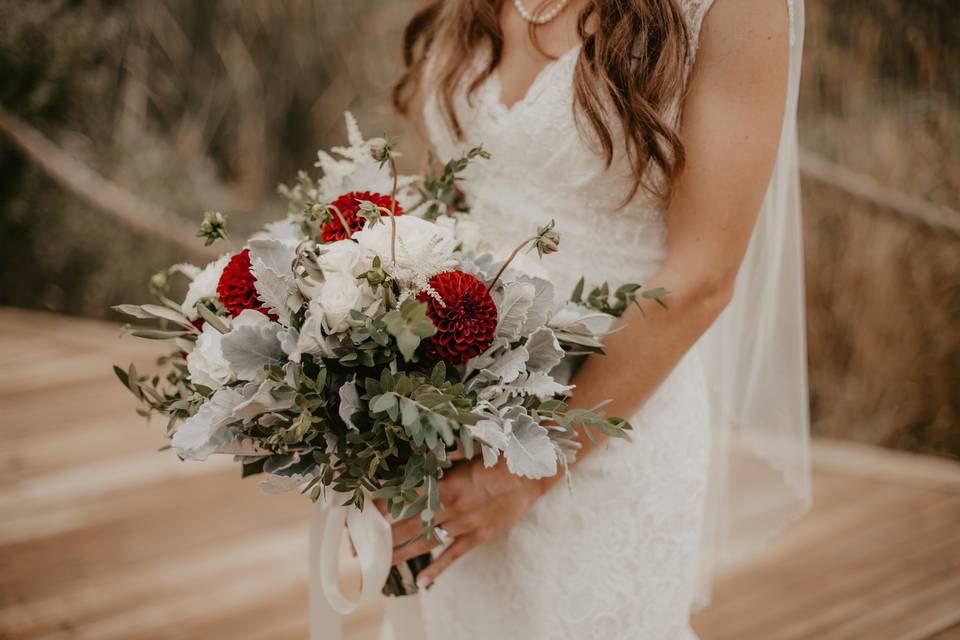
755,359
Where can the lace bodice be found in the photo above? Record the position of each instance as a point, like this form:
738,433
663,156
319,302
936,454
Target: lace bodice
617,558
542,168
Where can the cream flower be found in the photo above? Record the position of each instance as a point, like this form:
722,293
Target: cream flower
206,363
204,285
467,232
344,256
423,248
339,295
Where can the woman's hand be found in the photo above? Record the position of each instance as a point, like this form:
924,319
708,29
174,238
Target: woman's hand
478,504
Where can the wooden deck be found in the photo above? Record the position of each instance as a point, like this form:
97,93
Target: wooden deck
103,538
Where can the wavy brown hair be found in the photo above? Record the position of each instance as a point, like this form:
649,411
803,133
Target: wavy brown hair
632,59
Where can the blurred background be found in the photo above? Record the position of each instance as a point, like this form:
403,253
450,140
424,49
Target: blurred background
122,121
119,114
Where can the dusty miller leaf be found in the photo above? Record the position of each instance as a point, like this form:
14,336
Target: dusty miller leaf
529,451
541,307
544,349
508,365
515,300
252,344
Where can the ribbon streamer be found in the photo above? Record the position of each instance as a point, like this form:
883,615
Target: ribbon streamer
372,539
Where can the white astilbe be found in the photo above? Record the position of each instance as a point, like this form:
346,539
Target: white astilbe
423,250
415,272
356,169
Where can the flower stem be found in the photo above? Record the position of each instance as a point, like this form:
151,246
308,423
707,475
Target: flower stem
393,210
343,221
513,255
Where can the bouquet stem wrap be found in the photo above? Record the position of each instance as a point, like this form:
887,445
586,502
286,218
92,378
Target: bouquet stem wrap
371,536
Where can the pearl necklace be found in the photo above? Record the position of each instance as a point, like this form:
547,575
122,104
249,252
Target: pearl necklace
543,18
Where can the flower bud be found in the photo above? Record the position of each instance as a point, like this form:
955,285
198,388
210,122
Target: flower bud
548,239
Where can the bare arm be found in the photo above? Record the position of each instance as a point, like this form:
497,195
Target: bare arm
731,129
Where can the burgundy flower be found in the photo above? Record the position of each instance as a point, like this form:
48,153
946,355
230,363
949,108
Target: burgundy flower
465,322
348,205
237,287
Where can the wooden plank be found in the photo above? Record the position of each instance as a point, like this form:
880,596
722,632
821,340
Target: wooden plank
882,465
101,537
804,589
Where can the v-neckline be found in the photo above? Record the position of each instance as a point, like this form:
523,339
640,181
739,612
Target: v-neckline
532,89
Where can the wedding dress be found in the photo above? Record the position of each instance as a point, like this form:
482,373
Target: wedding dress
619,556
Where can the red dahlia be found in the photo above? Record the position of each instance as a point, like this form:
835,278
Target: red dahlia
466,323
236,289
348,205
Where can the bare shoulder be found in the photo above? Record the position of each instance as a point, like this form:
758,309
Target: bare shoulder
744,39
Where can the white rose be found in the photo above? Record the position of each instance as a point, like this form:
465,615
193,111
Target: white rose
339,295
206,363
467,232
422,246
344,256
204,285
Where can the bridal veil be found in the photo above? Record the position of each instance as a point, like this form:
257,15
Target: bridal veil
755,357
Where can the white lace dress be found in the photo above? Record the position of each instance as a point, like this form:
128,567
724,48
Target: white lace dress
617,558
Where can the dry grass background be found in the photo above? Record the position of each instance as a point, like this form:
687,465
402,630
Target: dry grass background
192,105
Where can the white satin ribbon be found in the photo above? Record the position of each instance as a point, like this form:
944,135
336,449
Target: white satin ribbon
372,539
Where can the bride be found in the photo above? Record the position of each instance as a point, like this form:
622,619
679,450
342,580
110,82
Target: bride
660,135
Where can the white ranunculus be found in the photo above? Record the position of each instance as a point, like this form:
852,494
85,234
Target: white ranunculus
206,363
339,295
344,256
204,285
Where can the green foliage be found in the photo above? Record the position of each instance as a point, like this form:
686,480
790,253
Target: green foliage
599,298
439,194
409,325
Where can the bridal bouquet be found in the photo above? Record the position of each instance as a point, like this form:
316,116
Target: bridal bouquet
350,348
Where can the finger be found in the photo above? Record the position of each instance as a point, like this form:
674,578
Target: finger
413,549
416,547
381,506
406,530
450,555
